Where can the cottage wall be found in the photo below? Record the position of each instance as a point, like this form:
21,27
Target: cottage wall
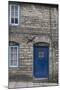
37,23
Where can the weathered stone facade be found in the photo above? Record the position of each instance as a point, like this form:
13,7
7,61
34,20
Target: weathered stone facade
38,23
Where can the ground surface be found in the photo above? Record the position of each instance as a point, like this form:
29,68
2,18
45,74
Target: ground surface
29,84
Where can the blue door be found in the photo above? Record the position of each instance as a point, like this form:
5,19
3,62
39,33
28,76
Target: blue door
41,61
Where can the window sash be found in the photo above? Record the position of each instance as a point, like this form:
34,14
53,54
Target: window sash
14,15
12,58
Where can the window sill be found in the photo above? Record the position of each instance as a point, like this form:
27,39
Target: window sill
14,24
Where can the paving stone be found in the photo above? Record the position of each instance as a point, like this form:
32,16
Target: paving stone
29,84
21,84
12,85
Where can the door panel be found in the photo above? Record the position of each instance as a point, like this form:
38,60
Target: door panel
41,61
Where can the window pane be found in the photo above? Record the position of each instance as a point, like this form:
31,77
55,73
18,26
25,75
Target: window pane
16,20
16,8
15,49
12,14
12,8
16,11
12,20
11,49
15,62
9,56
12,62
16,14
12,11
13,56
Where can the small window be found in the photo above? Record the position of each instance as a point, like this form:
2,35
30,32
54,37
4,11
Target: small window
14,14
41,54
13,56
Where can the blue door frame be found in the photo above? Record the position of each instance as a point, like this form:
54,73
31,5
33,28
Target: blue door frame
41,61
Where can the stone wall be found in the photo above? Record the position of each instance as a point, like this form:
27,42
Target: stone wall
37,23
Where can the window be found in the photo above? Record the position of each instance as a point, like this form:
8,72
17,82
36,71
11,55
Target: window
14,14
41,54
13,56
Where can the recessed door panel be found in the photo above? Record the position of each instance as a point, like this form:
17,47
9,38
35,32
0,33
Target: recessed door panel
41,61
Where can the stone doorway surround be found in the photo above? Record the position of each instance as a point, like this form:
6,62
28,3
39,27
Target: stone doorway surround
45,40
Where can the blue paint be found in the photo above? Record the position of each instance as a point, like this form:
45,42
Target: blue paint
41,56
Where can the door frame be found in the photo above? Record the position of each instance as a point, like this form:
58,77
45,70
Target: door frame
40,44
